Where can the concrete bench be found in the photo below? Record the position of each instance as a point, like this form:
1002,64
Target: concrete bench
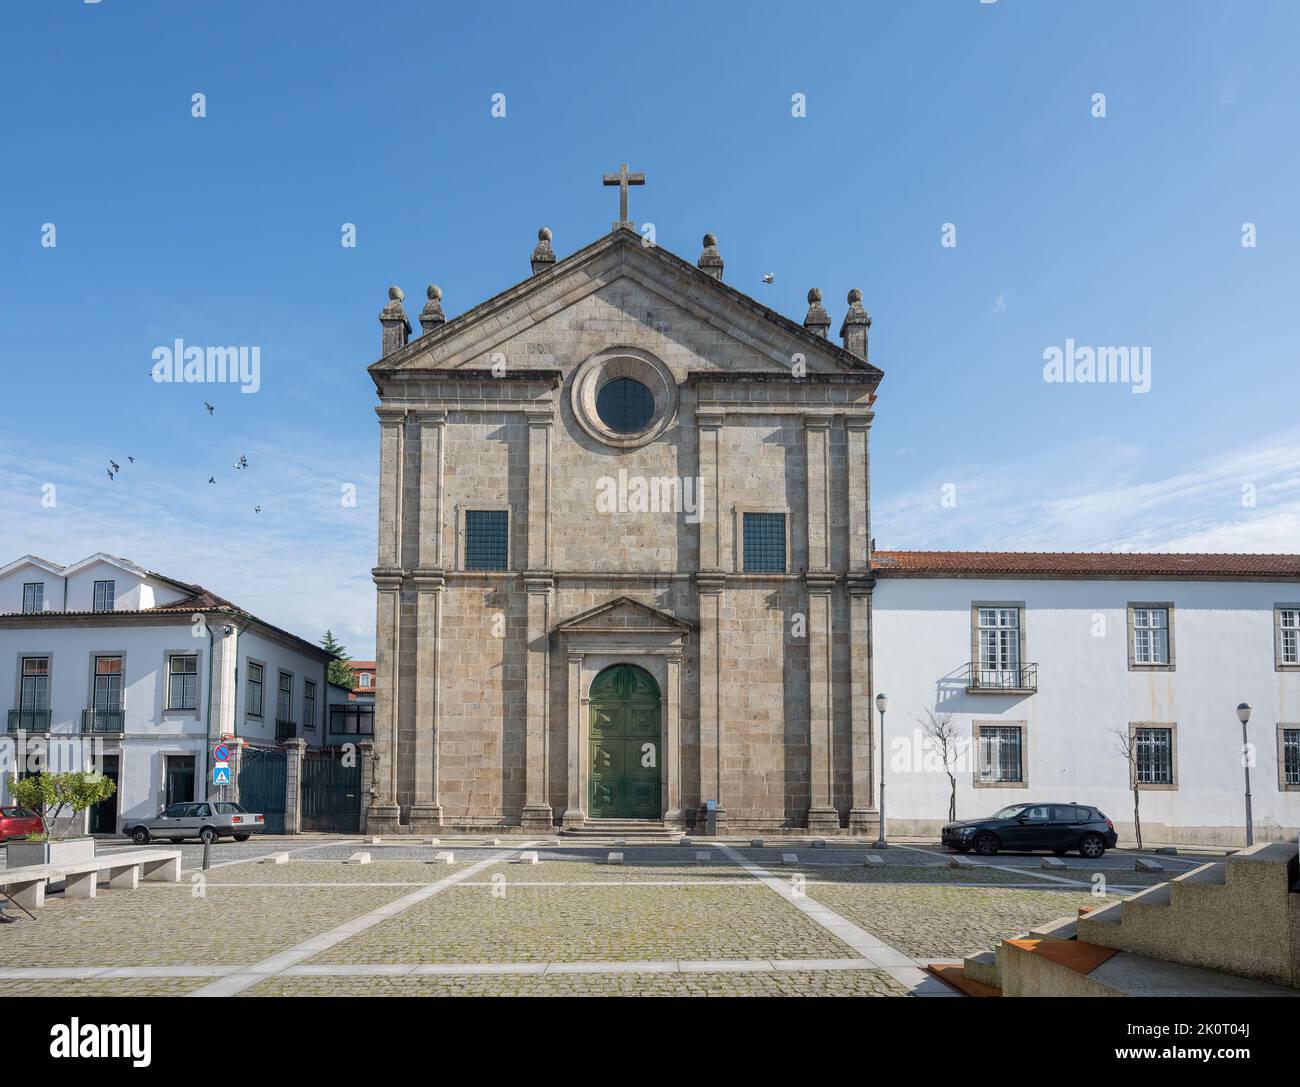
81,880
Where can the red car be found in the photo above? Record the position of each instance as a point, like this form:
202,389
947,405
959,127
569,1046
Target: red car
18,823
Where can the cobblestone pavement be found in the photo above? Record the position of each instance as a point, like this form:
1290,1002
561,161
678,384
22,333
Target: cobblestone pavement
572,908
792,983
933,923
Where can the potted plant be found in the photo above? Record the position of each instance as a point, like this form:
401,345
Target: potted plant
53,794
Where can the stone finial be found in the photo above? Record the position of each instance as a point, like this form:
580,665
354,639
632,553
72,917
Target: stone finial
818,321
432,316
856,322
397,329
543,255
711,260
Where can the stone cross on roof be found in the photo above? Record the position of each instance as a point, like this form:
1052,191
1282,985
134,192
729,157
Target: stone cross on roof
623,179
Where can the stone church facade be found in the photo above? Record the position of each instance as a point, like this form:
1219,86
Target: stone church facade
623,567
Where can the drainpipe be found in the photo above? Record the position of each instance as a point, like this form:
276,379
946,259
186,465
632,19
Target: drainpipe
207,747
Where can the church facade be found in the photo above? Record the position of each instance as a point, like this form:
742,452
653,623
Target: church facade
625,577
623,564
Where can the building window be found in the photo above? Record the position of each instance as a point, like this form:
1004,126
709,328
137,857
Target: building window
764,543
365,679
1289,756
1153,762
33,597
1150,641
284,698
105,595
625,405
34,692
486,539
309,703
1001,754
352,719
253,704
1287,623
998,633
183,681
108,685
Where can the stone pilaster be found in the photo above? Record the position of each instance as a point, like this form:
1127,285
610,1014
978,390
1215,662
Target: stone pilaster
710,497
433,453
857,432
539,489
672,756
384,814
426,811
864,817
576,813
295,748
537,813
391,474
711,588
817,448
822,815
366,753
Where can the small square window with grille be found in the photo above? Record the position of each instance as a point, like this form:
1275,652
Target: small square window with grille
486,539
764,543
1155,756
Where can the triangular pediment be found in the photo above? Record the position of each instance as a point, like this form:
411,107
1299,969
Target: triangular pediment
769,337
623,614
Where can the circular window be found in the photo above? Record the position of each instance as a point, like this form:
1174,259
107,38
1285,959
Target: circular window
625,405
624,397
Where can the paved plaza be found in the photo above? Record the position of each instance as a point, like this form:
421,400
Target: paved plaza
712,918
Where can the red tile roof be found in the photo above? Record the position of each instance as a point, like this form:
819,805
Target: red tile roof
1081,564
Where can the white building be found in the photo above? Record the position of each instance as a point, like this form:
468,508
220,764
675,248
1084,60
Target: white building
1040,659
138,674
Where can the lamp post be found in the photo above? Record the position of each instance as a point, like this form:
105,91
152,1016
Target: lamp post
882,704
1243,715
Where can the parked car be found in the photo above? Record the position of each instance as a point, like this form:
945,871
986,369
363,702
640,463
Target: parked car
19,822
205,821
1055,827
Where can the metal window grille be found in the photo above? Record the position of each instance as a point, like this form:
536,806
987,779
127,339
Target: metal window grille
764,543
1000,751
1291,756
1155,756
486,539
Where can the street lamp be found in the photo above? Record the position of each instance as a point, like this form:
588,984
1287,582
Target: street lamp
882,704
1243,715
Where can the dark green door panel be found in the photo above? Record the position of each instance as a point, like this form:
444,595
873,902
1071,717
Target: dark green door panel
624,746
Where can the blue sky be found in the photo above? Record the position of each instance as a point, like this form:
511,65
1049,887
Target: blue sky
1122,230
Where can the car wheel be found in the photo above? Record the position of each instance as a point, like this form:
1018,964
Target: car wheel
140,836
207,836
241,837
1092,846
987,844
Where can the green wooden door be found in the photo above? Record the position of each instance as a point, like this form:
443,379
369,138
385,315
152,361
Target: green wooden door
625,753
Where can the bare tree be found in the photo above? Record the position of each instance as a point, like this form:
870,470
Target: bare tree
1126,745
943,734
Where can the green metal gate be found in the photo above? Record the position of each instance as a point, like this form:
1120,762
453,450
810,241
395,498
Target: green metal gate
262,780
331,792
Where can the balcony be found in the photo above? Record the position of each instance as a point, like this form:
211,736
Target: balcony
29,720
285,730
102,721
1022,679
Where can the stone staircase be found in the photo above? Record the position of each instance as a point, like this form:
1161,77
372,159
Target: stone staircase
643,830
1229,928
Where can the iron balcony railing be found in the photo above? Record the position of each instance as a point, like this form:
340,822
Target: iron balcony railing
285,730
29,720
1023,677
102,720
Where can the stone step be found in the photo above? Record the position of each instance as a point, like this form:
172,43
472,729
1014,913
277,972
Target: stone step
1063,928
983,968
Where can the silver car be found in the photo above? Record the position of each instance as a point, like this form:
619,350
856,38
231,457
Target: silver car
207,821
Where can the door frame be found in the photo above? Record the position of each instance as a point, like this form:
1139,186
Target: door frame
659,752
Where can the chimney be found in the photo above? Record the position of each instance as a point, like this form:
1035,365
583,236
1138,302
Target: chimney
818,321
432,316
397,329
543,255
856,322
711,260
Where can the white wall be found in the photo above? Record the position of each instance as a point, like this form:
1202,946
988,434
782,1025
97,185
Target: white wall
276,656
1076,631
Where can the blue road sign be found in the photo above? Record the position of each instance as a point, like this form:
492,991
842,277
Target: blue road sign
221,775
221,753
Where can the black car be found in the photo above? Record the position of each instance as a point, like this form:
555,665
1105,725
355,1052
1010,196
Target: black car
1055,827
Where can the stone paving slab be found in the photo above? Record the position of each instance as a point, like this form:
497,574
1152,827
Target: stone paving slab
160,924
92,987
297,871
931,923
617,923
728,983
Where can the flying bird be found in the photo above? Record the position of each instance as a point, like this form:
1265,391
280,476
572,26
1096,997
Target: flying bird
243,462
212,479
115,466
768,277
210,408
110,472
257,509
131,459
